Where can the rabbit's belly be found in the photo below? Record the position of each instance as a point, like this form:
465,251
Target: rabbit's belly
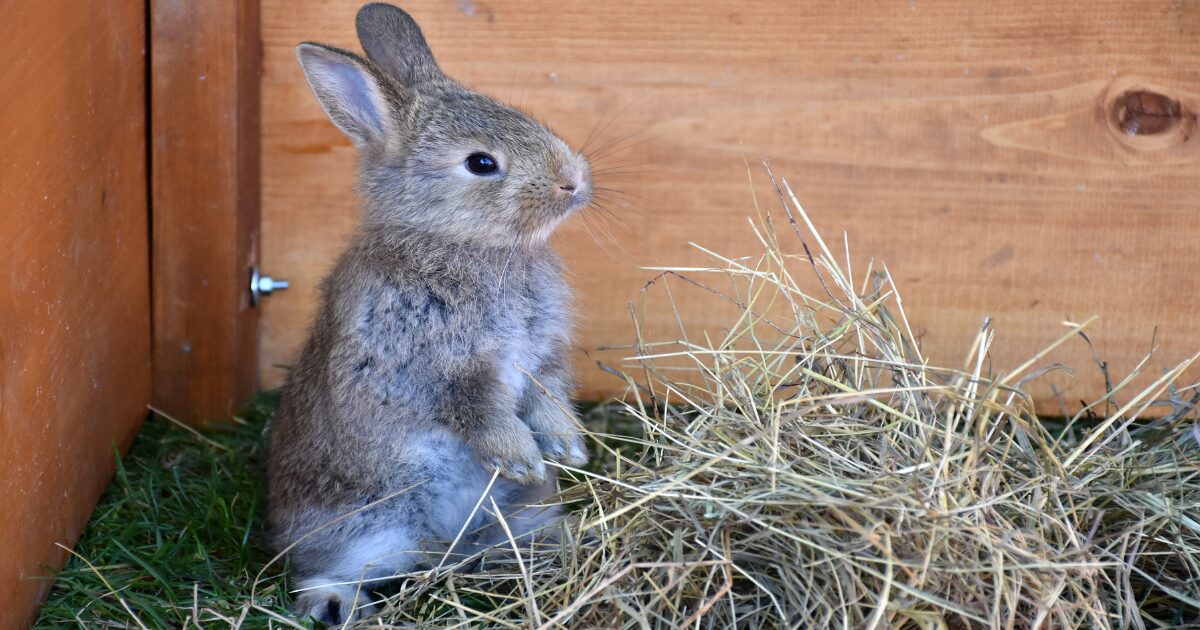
457,484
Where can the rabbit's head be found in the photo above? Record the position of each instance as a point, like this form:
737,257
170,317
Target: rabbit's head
436,156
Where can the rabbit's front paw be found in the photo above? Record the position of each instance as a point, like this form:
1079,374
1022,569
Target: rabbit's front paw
510,448
557,434
565,447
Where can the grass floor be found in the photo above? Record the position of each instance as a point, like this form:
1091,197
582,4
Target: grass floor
176,539
175,542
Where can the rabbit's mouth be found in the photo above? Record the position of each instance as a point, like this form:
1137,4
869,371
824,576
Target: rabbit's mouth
558,210
562,203
577,198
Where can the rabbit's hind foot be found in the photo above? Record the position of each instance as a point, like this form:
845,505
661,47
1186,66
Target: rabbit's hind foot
331,602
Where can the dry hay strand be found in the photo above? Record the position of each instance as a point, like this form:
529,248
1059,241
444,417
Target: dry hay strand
813,471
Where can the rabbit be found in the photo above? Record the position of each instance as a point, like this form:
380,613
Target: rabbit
440,352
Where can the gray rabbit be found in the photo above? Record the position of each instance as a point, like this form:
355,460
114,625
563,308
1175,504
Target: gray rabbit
440,351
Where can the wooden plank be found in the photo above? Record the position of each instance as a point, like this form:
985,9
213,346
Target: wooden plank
204,125
74,290
973,147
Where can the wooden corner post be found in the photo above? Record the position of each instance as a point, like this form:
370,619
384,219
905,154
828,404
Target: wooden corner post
204,125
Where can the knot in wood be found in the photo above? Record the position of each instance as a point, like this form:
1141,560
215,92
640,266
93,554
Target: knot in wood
1145,113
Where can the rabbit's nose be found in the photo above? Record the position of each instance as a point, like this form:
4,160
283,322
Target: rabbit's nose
573,183
570,182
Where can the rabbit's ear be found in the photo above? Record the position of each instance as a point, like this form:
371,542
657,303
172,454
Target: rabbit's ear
394,42
348,90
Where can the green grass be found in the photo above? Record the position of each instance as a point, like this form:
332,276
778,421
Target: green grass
177,534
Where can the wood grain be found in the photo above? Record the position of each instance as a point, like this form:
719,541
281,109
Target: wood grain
205,200
973,147
74,290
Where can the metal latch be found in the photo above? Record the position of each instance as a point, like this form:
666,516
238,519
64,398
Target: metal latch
262,286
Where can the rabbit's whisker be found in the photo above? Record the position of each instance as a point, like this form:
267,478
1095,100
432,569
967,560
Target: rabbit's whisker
595,127
603,191
621,143
606,125
591,227
626,204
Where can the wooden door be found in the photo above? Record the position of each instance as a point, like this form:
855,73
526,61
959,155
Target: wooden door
75,284
989,152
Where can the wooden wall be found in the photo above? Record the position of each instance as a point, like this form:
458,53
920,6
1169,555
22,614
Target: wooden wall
74,292
984,150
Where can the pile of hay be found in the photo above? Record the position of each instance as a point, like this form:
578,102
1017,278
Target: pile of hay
811,471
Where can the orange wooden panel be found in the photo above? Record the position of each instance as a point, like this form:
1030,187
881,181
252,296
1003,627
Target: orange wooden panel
204,123
74,291
975,147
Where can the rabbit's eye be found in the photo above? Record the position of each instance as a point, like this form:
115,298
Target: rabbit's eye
481,164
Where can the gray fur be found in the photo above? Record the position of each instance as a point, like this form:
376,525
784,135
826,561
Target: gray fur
414,378
394,41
